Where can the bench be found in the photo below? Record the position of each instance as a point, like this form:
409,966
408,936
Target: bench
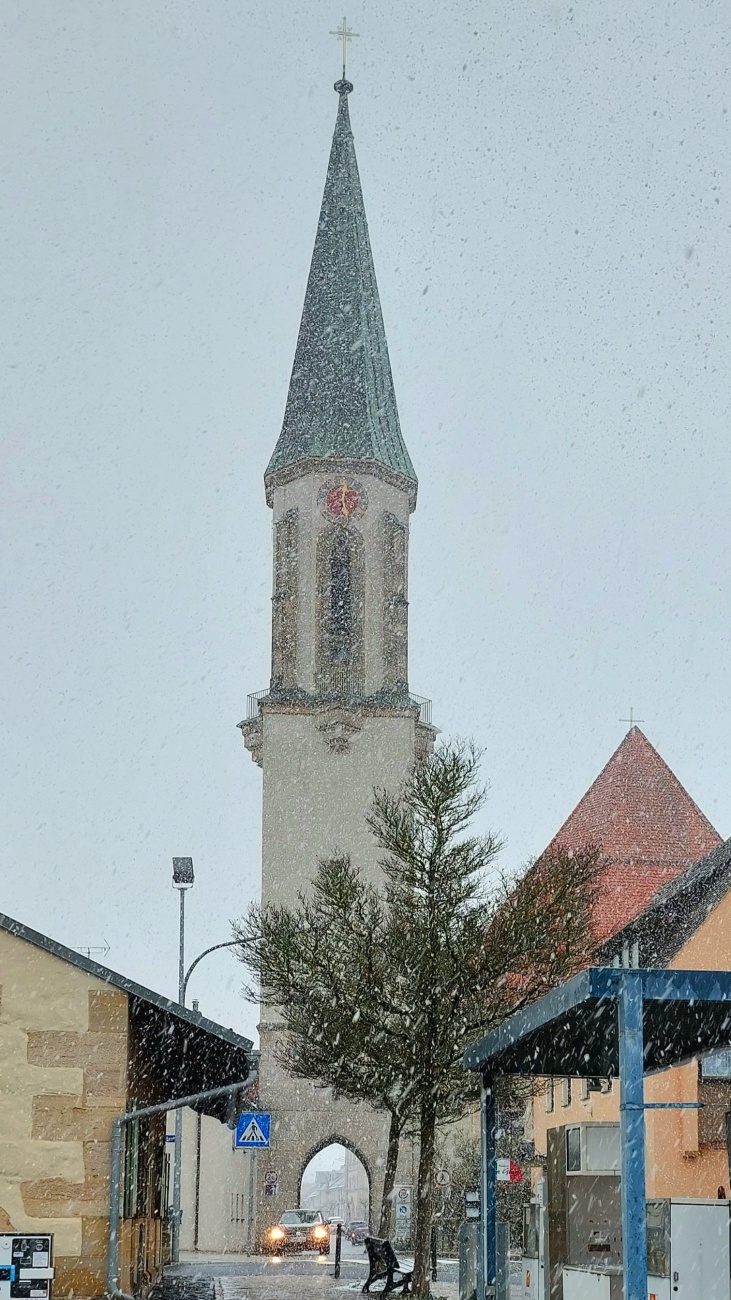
382,1262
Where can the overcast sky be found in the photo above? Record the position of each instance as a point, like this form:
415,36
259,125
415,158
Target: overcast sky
549,200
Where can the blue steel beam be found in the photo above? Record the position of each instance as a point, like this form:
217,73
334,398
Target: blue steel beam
632,1135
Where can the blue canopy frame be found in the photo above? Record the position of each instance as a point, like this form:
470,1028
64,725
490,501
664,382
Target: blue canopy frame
615,1022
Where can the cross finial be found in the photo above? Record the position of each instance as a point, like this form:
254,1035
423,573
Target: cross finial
344,34
632,720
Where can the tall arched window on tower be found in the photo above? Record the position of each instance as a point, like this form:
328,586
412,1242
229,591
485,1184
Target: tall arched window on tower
340,581
285,602
341,599
395,606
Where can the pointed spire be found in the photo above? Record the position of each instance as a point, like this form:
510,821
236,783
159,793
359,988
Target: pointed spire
341,403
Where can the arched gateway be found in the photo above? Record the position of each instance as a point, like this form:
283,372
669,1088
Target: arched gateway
335,1178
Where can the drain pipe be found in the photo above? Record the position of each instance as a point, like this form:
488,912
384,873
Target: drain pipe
115,1193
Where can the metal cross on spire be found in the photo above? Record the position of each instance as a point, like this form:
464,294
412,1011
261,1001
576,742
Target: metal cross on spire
344,34
632,720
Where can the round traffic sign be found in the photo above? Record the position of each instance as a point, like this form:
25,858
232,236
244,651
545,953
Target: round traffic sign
442,1178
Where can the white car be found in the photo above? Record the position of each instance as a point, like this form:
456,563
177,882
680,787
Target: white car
299,1230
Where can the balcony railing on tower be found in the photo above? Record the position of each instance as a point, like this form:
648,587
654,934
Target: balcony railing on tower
347,688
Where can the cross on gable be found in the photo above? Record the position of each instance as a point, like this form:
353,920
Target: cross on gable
632,720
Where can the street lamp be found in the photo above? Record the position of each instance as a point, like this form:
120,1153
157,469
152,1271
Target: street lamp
230,943
183,879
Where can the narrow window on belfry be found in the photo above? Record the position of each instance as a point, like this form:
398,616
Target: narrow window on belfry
341,599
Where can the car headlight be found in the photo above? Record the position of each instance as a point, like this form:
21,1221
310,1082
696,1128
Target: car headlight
321,1232
277,1234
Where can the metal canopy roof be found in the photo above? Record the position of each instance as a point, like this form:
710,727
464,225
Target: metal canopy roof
573,1030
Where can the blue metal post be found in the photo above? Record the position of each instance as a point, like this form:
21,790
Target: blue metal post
632,1135
486,1254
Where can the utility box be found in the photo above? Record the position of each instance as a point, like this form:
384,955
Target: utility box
467,1246
26,1266
583,1212
688,1252
468,1241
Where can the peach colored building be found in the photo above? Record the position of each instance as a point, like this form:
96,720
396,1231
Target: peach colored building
686,927
79,1044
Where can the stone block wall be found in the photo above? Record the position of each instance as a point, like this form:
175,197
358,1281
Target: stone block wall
64,1044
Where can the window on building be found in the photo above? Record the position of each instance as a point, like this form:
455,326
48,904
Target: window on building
584,1089
144,1169
395,604
286,594
340,582
565,1092
573,1150
341,599
549,1096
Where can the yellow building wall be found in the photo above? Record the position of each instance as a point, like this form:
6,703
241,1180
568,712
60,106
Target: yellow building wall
63,1079
678,1162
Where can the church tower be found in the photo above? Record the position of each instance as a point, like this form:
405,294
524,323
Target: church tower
338,717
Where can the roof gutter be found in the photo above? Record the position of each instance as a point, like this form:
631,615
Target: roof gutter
115,1192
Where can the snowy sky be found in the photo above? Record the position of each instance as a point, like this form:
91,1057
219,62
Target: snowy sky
549,199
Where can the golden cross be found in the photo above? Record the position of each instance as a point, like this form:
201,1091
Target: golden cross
632,720
344,34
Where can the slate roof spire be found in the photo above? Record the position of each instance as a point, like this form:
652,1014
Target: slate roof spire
341,402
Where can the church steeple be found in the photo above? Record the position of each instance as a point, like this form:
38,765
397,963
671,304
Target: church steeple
341,403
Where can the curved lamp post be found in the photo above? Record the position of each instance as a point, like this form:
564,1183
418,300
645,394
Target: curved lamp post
182,880
232,943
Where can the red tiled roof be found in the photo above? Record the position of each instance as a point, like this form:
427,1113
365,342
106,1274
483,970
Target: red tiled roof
646,825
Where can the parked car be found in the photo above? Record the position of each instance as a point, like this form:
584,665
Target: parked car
358,1231
299,1230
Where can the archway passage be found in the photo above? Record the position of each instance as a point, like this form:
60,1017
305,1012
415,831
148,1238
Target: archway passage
335,1181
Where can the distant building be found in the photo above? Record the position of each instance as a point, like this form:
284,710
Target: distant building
341,1192
686,927
80,1044
663,899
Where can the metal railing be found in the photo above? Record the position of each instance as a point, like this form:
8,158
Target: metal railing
424,708
252,704
342,683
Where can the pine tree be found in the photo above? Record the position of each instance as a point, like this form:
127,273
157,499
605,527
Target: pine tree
324,960
394,984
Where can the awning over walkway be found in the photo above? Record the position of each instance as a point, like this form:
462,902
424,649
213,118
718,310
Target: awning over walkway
574,1030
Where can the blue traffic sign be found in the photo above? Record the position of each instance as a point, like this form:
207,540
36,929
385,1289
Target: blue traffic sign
253,1129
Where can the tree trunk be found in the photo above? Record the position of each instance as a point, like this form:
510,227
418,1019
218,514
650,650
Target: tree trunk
424,1196
389,1177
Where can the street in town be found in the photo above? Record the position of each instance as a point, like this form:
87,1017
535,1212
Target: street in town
259,1277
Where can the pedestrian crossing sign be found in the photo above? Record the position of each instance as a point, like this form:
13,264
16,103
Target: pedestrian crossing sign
252,1129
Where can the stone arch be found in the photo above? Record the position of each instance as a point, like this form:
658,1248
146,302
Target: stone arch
337,1139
